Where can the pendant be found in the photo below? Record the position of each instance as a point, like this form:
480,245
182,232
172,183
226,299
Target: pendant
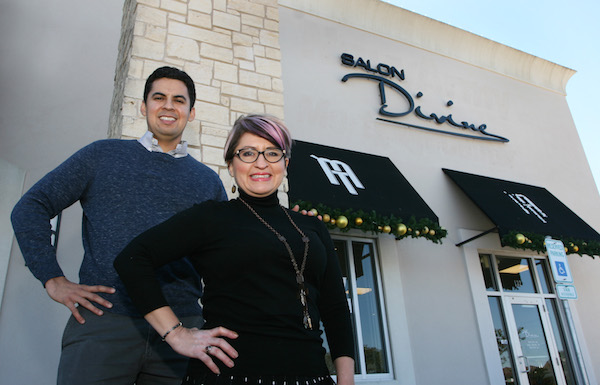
302,293
306,320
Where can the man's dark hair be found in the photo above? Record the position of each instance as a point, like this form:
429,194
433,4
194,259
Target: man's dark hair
171,73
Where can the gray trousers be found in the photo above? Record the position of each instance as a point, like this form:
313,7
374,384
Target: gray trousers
119,350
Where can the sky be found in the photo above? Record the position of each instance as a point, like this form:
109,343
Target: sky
563,32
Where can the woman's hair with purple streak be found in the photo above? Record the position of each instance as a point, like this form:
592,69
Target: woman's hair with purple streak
266,126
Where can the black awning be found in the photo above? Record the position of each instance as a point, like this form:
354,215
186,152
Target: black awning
350,180
517,207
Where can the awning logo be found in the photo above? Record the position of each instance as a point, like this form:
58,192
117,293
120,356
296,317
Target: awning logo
528,206
337,171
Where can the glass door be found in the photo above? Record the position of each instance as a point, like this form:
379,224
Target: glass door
535,352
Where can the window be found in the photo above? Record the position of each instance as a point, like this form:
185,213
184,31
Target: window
529,326
360,271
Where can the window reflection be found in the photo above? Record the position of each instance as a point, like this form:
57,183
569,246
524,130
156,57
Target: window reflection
559,336
368,304
542,272
515,275
534,345
502,340
359,270
488,273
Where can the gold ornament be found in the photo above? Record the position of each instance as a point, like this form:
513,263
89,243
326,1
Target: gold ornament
332,221
326,218
379,228
520,239
358,221
417,233
314,212
575,248
432,232
341,222
566,250
387,229
425,230
401,229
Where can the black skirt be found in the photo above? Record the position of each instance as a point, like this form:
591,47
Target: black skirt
225,379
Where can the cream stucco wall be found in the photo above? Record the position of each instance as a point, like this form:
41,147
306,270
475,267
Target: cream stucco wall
518,96
56,73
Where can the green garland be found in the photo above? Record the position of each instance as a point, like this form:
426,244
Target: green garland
376,223
535,242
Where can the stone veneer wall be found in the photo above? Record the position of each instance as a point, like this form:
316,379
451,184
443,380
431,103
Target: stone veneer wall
229,47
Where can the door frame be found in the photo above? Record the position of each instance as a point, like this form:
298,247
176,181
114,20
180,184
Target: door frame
521,362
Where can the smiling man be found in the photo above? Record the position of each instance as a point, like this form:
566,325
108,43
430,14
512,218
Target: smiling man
124,187
168,109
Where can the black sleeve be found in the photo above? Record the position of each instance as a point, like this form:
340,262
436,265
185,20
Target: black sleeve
333,304
173,239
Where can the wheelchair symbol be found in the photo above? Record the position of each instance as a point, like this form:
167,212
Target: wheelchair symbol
560,268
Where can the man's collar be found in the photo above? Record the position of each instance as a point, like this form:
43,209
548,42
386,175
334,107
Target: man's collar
150,143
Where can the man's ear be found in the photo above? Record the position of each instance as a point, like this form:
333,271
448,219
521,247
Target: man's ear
192,114
143,108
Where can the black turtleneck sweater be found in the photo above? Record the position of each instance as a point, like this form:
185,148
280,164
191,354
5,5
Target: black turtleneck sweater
250,284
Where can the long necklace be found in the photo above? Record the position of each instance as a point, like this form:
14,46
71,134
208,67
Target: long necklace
302,290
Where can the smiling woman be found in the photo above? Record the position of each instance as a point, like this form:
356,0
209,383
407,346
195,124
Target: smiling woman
271,276
260,177
251,137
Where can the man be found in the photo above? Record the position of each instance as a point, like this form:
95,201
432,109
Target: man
124,188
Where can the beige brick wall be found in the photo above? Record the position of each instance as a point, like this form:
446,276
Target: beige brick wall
229,47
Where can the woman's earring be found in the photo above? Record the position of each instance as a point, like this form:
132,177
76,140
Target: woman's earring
233,187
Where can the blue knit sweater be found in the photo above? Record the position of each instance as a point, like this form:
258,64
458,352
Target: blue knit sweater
124,190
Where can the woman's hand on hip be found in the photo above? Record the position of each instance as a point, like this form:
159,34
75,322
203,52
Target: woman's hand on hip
204,345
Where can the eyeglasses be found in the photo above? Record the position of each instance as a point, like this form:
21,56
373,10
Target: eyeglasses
250,155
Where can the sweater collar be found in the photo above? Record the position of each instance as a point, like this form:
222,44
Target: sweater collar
150,143
270,200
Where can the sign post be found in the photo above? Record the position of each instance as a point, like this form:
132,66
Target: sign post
562,276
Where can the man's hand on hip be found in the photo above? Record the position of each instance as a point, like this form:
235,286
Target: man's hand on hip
71,294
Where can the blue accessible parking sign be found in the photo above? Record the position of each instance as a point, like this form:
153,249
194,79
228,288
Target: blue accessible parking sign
558,261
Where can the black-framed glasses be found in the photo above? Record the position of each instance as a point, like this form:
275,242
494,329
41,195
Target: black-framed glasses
250,155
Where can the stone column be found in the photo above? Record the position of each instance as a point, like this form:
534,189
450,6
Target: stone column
229,47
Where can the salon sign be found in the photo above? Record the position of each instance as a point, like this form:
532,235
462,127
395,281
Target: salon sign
388,80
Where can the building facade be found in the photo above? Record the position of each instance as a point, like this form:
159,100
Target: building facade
442,131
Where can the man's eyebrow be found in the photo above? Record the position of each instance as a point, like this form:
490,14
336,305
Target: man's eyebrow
158,93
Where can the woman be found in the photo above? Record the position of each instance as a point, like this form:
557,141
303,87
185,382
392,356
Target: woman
270,276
